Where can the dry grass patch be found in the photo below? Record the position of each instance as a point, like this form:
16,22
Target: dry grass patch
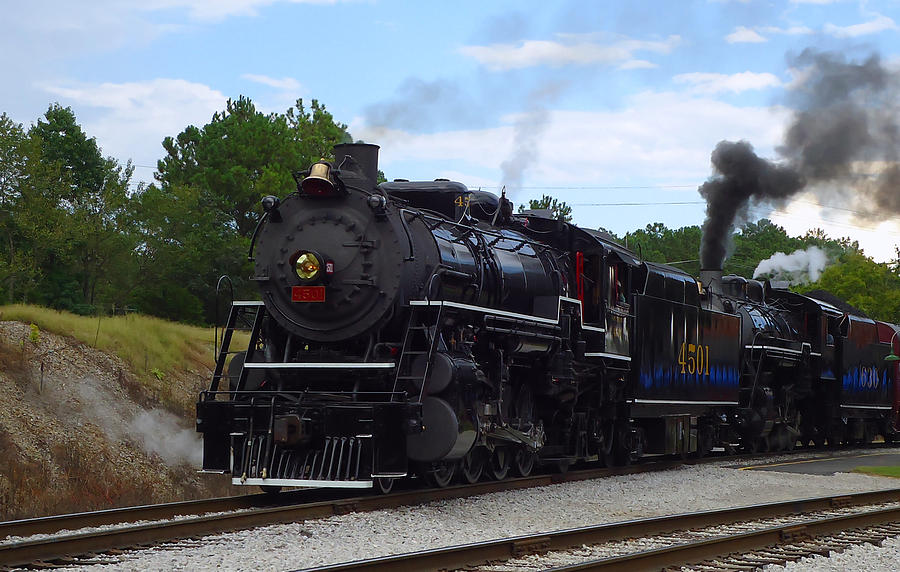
150,346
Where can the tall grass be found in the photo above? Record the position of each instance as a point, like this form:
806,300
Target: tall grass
150,346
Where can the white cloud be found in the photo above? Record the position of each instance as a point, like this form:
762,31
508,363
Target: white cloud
712,83
665,135
792,31
637,65
130,120
570,50
285,83
220,9
743,35
655,139
879,24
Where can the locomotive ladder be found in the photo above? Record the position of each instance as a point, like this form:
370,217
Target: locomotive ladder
245,315
421,338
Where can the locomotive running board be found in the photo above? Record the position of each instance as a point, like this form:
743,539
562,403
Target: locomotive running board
776,349
317,483
607,355
538,320
320,365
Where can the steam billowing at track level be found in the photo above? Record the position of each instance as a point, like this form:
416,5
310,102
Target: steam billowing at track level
420,328
843,145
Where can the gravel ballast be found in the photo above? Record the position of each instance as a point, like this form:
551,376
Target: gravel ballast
498,515
884,558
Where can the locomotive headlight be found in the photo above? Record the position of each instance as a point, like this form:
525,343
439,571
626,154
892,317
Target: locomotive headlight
307,266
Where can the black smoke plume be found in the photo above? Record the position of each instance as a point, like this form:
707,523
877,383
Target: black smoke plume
741,176
842,144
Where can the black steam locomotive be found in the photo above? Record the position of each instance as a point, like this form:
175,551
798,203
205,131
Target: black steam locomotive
423,328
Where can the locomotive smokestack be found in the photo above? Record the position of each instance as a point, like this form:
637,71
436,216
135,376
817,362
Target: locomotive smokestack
711,279
365,155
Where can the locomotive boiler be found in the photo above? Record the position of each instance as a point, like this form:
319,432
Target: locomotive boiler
421,328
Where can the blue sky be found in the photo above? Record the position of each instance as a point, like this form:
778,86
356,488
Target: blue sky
596,103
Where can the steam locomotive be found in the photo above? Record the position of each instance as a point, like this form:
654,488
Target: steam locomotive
422,328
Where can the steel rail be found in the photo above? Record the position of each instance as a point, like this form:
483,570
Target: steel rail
56,523
504,549
693,552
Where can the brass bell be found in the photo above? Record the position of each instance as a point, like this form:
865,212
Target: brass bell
318,182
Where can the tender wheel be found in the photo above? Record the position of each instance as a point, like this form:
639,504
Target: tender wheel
382,485
441,474
790,439
523,462
621,451
472,466
705,440
498,464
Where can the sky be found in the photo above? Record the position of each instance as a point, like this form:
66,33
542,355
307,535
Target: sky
612,107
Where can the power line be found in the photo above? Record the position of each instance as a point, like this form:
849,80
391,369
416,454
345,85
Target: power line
639,204
608,187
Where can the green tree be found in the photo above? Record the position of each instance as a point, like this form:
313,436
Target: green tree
872,287
13,168
197,222
558,209
658,243
756,242
243,155
82,169
79,222
185,247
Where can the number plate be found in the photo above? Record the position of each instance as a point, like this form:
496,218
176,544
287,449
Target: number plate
307,294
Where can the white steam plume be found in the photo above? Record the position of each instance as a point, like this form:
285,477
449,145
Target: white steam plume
158,432
799,267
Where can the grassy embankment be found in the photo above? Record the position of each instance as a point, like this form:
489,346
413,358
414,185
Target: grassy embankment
158,353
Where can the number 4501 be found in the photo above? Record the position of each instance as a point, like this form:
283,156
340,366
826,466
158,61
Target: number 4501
694,358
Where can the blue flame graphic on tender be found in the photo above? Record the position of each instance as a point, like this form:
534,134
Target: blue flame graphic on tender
664,377
863,379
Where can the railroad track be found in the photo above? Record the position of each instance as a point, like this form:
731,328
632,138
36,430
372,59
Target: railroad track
129,527
743,538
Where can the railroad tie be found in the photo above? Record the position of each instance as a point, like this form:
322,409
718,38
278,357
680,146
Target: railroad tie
727,565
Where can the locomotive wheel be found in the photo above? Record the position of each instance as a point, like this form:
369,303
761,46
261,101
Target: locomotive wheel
382,485
523,462
498,464
441,474
472,466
